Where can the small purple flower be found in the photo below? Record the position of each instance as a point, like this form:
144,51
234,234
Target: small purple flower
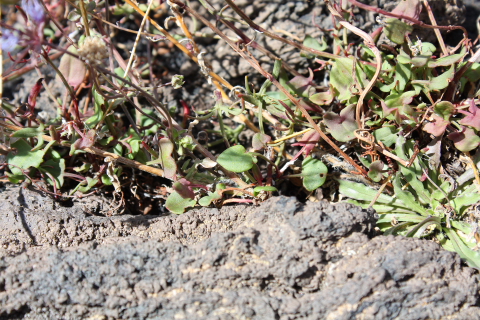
34,10
9,40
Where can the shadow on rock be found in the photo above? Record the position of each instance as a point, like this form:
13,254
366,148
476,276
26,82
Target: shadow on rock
281,260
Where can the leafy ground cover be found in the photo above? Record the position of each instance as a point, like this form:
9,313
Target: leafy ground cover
381,119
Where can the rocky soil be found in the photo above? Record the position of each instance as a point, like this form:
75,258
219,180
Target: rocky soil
280,260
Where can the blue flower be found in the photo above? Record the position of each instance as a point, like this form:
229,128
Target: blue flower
34,10
9,40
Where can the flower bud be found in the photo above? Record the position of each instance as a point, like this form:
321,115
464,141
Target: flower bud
93,49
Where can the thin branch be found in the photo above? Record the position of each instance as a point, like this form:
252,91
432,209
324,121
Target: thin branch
98,152
276,37
370,44
437,31
274,81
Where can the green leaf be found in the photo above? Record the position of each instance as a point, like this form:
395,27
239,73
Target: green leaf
396,30
56,169
98,113
236,159
466,198
403,73
166,160
404,58
313,43
400,217
387,135
85,185
257,190
412,173
407,198
472,257
420,61
444,109
360,191
448,60
176,204
28,132
24,158
420,228
375,170
400,99
341,78
207,200
442,81
314,173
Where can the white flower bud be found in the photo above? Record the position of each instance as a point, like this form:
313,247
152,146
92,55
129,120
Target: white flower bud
93,49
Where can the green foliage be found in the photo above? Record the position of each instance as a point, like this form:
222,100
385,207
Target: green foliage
396,30
314,173
236,159
177,204
431,209
23,159
378,106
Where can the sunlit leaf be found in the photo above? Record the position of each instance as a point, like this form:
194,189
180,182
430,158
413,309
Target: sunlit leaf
207,200
73,69
314,173
23,157
257,190
448,60
236,159
472,118
465,140
341,78
176,204
387,135
260,140
396,30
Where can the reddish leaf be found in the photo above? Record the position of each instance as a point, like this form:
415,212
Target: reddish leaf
437,126
309,141
72,68
32,98
342,126
472,118
184,189
409,8
302,84
465,140
86,141
260,140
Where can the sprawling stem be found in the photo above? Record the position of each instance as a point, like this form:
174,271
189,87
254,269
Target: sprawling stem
410,19
369,43
276,37
275,82
98,152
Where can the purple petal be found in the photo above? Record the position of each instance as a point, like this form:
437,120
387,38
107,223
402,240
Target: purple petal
34,9
9,40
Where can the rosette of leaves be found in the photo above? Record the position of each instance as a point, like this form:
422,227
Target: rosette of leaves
423,205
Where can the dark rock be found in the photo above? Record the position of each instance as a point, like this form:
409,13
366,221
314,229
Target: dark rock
281,260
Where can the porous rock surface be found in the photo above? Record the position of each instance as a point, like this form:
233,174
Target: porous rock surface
279,260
